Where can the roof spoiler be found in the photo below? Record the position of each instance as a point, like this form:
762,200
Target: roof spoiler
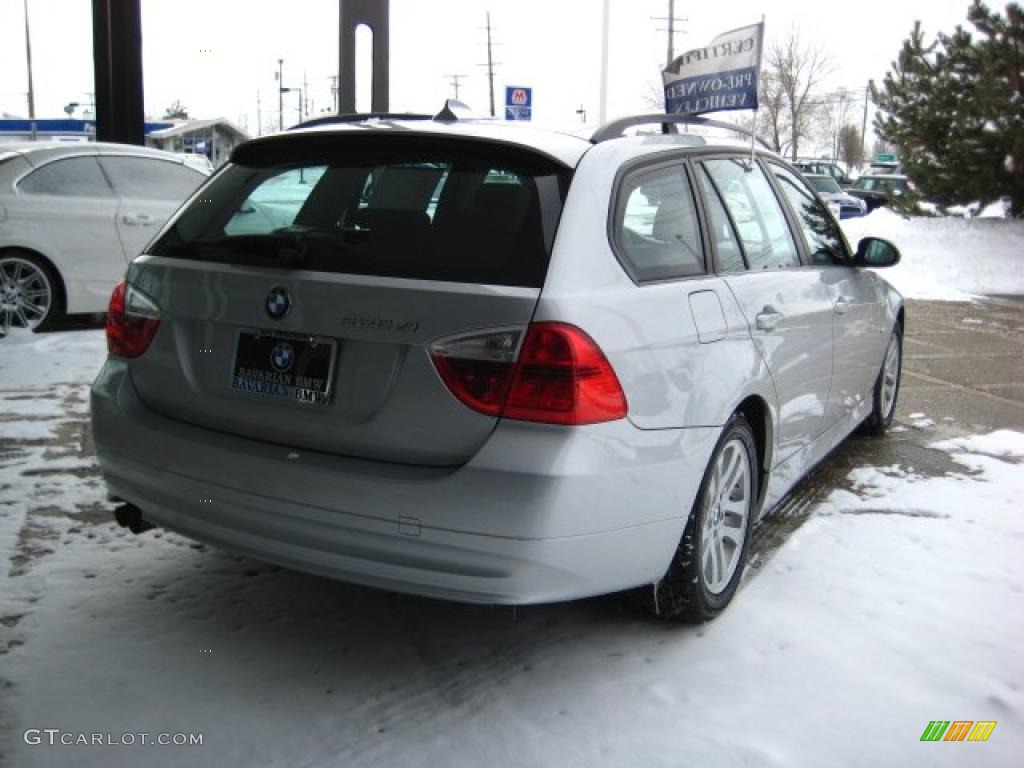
452,111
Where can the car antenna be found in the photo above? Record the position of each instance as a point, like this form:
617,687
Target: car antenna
453,111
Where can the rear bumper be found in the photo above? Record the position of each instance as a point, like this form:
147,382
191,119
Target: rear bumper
539,514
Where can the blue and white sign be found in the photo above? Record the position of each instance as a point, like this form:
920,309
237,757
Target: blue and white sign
718,77
518,103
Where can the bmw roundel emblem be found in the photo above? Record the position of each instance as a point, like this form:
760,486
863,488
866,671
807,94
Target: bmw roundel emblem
282,357
278,303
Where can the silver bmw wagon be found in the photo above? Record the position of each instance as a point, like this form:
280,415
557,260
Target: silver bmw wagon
490,363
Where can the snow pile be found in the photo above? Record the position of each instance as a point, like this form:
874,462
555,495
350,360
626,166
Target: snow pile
948,259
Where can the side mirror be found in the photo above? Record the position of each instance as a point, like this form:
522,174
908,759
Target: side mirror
876,252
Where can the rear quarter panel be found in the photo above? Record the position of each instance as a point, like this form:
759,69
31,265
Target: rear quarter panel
671,376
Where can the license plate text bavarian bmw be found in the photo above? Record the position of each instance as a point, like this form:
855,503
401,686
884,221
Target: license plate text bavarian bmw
288,366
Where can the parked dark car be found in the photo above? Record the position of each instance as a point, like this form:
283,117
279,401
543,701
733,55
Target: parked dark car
829,191
824,168
877,189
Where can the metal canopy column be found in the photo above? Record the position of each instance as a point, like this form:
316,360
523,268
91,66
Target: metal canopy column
374,14
117,62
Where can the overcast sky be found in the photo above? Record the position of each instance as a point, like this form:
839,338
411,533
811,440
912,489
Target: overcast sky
551,45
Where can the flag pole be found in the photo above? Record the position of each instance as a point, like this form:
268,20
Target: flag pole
753,139
757,81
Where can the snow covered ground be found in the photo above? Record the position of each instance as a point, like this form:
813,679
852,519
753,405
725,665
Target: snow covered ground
951,258
898,602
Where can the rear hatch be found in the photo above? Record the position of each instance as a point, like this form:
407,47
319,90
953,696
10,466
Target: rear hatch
299,292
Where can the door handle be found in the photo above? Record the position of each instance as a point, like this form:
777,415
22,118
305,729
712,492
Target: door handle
843,304
139,219
767,319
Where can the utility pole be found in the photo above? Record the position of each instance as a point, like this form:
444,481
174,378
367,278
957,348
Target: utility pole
490,62
671,31
304,112
334,91
454,80
670,53
582,112
864,122
280,94
31,90
259,114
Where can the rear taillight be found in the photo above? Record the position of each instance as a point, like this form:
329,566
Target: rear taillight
132,321
478,368
557,375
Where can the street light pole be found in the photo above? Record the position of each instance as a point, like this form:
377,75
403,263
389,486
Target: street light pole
280,94
31,90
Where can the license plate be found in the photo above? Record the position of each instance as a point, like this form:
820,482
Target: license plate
288,366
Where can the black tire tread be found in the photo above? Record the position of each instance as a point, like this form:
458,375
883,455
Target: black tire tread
876,423
679,595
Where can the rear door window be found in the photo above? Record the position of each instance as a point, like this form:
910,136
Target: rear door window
656,230
141,178
723,234
442,210
68,177
758,214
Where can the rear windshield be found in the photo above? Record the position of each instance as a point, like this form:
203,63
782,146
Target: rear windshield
447,210
872,183
824,184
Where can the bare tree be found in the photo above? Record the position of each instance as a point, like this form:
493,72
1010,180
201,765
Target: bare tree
850,148
791,70
772,125
840,118
654,95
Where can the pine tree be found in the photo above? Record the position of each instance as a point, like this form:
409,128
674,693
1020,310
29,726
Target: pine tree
954,109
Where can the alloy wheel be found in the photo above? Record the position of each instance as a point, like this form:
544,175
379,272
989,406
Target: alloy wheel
25,293
727,506
890,376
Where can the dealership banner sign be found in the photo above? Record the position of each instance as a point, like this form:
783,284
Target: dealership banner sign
718,77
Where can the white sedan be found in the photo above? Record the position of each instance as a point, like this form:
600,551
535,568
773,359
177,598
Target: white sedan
72,216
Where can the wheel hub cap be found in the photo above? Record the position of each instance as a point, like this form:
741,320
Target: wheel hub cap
727,516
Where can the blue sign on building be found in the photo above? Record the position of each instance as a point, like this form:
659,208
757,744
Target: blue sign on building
518,103
21,128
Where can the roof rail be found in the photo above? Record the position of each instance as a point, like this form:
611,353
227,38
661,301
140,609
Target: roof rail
359,118
615,128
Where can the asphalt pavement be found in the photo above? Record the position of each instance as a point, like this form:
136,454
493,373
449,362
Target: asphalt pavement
963,374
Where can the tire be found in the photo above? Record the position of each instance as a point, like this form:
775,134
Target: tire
887,386
30,292
698,584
